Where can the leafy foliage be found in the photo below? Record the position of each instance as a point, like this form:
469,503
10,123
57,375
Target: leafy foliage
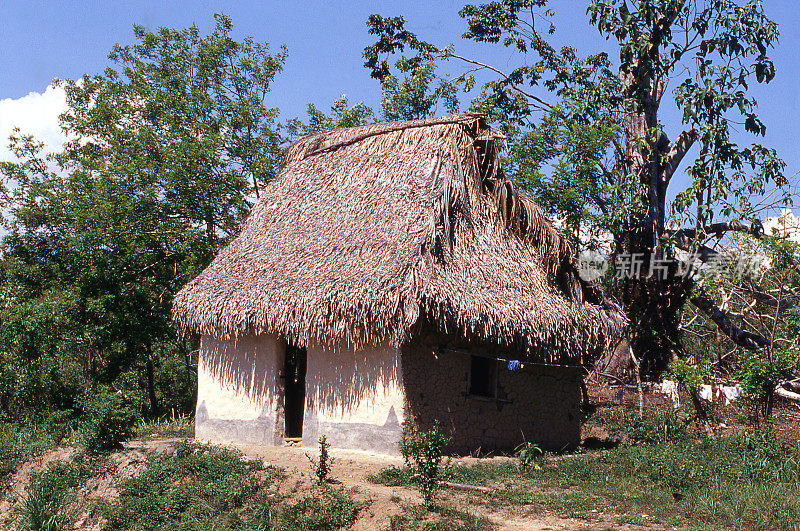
342,115
110,421
586,134
761,371
424,451
690,376
167,150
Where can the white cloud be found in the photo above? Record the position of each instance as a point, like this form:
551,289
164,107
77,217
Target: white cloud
36,114
785,224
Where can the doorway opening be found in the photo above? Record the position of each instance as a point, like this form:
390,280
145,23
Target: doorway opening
294,398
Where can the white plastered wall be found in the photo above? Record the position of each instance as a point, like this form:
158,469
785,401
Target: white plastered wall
354,397
239,398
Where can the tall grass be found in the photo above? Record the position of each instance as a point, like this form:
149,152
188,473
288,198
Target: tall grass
50,492
167,426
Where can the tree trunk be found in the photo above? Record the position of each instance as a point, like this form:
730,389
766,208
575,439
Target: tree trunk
653,294
151,381
191,378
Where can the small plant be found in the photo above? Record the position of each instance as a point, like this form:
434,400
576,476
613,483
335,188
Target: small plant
528,453
42,513
424,451
322,466
110,422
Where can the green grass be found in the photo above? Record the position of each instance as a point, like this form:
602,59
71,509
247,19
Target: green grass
744,482
21,441
206,487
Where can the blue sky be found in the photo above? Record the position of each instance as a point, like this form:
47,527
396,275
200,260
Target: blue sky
65,39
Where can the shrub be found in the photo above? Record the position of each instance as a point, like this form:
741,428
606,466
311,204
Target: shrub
761,371
332,511
424,451
528,453
322,465
110,420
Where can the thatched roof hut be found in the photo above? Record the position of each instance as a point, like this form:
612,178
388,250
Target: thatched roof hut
368,231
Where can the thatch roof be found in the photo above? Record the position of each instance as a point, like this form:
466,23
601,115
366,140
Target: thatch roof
367,231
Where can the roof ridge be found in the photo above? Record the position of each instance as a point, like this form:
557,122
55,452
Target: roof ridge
384,128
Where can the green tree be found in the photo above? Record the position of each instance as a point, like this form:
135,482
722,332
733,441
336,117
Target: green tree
342,115
592,138
167,150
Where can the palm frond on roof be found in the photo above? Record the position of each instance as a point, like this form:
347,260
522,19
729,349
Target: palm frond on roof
366,230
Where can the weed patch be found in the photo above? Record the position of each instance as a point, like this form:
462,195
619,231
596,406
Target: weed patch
196,489
439,518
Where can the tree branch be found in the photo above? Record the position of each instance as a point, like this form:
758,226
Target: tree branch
768,299
675,154
544,104
718,229
742,338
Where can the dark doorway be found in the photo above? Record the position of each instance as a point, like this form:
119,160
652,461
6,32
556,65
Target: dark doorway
294,400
